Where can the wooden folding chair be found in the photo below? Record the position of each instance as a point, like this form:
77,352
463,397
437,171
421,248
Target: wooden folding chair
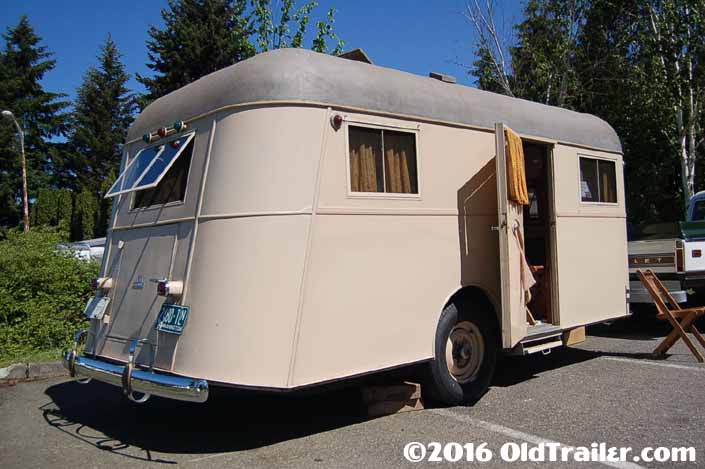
662,299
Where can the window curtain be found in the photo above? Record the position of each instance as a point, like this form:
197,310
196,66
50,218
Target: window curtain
398,177
363,169
516,170
400,163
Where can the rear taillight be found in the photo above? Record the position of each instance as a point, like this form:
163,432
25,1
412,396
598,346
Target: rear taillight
167,288
696,253
680,257
101,282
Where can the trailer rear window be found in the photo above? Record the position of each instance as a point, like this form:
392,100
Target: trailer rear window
172,187
382,161
150,166
598,180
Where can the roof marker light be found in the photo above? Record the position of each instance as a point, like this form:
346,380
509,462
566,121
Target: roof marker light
179,126
163,132
147,137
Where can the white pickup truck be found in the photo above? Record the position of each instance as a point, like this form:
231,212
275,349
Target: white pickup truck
674,251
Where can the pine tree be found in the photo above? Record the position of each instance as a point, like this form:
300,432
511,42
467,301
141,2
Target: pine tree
103,112
200,37
23,63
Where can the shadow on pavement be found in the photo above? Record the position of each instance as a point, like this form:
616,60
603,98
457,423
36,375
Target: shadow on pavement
230,421
515,370
636,327
99,415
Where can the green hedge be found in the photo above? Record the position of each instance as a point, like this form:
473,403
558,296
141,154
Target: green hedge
42,293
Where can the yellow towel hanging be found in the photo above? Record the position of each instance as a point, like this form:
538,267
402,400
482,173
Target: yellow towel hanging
516,172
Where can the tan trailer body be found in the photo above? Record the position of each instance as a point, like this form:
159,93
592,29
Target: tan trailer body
292,279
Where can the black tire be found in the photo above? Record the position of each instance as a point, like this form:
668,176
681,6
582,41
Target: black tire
440,386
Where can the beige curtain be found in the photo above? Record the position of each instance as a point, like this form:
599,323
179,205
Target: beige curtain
363,169
607,192
397,172
516,171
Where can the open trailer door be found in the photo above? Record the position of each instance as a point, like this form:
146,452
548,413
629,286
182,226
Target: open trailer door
511,255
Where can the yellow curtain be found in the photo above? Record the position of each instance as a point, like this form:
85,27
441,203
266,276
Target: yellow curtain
363,170
516,170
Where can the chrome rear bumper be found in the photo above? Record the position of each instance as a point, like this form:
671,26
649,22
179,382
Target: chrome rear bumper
132,379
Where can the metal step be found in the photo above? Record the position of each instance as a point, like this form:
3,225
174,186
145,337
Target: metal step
541,330
539,338
545,347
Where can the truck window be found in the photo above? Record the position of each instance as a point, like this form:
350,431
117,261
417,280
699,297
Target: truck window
172,187
598,180
698,211
382,161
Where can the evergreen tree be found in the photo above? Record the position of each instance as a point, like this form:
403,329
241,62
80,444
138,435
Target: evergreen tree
23,63
200,37
103,112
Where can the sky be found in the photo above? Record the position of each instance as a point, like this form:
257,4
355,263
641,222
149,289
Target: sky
417,36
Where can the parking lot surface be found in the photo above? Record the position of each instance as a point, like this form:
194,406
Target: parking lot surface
607,389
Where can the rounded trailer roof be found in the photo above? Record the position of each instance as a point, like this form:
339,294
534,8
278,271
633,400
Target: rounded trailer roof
298,75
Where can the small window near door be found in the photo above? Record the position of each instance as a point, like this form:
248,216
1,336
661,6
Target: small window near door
598,180
382,161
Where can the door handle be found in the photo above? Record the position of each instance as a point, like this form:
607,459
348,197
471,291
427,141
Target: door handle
498,227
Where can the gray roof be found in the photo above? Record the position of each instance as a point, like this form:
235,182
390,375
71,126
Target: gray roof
302,75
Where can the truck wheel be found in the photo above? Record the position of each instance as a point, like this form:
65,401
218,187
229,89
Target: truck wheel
465,356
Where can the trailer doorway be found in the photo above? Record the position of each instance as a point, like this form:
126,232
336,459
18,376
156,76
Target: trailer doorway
539,226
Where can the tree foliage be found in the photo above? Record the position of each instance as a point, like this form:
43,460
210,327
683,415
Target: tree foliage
199,37
24,62
202,36
640,65
42,292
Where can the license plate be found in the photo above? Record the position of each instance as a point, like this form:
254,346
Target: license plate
95,309
172,318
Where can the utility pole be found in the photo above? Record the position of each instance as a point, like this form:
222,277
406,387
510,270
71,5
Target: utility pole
25,198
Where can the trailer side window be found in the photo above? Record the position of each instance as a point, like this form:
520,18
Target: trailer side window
598,180
382,161
172,187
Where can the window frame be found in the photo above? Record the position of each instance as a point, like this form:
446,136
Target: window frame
415,131
614,161
174,203
188,136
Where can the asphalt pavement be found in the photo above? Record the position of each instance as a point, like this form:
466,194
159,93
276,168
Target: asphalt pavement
607,389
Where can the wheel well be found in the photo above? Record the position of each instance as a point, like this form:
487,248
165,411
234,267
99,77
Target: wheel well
473,296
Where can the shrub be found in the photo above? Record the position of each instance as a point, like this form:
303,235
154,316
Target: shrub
43,291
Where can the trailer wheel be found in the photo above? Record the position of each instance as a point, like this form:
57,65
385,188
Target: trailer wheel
465,356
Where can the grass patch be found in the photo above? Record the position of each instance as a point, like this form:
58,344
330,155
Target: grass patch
37,356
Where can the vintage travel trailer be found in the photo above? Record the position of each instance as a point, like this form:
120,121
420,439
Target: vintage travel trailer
298,218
